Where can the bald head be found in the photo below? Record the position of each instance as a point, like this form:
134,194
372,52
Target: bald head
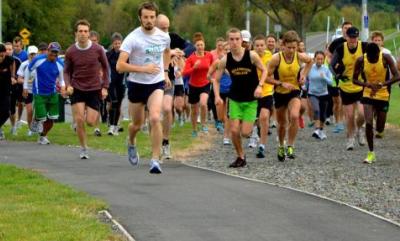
162,22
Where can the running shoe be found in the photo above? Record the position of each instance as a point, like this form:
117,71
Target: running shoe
116,130
119,128
301,122
2,137
227,141
239,162
290,152
350,144
145,128
84,154
166,152
281,153
111,130
316,134
379,135
322,135
338,128
370,158
29,133
133,155
43,140
361,137
310,124
97,132
252,142
261,152
155,167
13,130
273,125
36,126
204,129
328,121
220,127
20,123
194,133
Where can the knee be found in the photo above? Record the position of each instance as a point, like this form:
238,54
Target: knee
134,126
235,131
154,118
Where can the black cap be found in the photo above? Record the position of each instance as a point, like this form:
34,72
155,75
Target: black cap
352,32
43,46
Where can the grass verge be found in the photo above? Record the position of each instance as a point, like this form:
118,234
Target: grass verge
35,208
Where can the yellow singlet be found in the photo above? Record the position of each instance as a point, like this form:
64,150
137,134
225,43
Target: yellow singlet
376,73
349,61
288,73
267,89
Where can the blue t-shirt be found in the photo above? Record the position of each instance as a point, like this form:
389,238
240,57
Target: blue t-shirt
22,56
46,75
225,83
318,80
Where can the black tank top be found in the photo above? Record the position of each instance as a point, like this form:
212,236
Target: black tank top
244,78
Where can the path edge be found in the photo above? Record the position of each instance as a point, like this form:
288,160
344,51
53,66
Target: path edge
121,228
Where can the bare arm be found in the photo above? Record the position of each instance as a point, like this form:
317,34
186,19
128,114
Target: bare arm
105,69
255,59
218,74
272,65
308,61
167,61
357,71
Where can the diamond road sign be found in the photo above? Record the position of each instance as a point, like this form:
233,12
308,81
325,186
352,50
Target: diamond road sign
24,33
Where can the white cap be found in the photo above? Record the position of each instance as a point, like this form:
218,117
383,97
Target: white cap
246,35
33,49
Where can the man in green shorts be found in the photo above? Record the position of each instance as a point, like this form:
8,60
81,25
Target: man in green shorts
46,68
242,66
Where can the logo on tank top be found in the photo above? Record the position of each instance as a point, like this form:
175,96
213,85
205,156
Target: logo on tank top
241,71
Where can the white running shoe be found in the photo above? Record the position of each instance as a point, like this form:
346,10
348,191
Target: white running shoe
43,140
14,130
111,130
166,152
350,144
322,135
361,136
2,137
227,141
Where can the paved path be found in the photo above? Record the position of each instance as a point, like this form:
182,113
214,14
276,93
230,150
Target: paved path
188,204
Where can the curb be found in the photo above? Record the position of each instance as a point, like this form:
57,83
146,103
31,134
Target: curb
300,191
117,225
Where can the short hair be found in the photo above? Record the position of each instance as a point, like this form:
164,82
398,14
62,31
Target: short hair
375,34
290,36
116,36
17,39
148,6
2,48
233,30
94,34
319,52
347,23
81,22
7,43
220,39
259,37
197,37
271,36
372,50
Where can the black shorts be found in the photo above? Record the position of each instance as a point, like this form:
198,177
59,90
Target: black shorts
304,94
116,93
16,96
28,100
265,102
224,96
284,99
90,98
4,104
333,91
350,98
179,90
140,93
195,92
379,105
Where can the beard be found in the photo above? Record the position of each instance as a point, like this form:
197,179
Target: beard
148,27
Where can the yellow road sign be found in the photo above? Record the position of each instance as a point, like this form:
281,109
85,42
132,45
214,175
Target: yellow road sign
25,41
24,33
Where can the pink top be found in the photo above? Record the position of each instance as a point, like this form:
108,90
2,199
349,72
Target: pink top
198,76
86,69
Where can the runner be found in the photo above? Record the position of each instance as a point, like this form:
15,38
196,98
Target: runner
81,73
17,98
224,87
147,49
284,72
317,83
337,107
342,63
266,102
271,46
27,93
46,68
378,38
374,65
246,36
7,78
197,66
176,46
305,103
179,92
117,86
15,90
242,65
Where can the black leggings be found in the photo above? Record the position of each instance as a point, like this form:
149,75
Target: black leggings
4,109
116,96
319,106
211,104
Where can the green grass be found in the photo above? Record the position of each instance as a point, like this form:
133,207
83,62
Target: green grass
390,45
394,110
35,208
62,134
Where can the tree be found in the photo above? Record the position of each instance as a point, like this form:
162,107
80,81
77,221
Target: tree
292,14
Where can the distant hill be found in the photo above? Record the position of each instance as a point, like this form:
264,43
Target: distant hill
381,5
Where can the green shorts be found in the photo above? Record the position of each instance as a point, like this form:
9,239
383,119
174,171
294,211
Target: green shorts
245,111
46,106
